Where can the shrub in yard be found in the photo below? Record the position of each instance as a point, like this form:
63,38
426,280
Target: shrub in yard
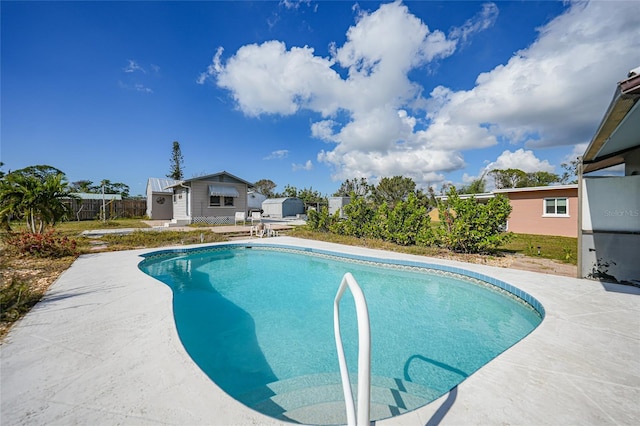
321,221
468,226
47,244
406,224
359,215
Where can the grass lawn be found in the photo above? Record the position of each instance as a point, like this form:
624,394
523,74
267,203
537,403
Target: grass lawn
563,249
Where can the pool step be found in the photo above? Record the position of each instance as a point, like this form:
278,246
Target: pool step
318,398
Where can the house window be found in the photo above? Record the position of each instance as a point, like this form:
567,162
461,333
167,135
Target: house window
218,200
556,207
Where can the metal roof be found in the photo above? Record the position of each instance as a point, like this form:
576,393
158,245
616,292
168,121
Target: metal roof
162,185
220,177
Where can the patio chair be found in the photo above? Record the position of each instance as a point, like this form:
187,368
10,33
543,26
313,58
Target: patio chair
256,216
241,217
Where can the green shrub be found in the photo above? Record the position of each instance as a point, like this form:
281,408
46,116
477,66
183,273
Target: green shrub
358,216
320,221
468,226
47,245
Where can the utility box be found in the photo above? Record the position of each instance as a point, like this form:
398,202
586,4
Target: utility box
336,204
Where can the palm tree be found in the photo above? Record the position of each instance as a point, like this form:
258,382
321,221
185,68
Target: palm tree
34,194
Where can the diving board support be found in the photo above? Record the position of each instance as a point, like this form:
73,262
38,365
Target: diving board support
364,353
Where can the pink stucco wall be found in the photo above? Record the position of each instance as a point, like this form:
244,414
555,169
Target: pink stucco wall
527,214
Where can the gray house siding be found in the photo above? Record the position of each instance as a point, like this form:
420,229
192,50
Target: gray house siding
212,199
201,208
160,198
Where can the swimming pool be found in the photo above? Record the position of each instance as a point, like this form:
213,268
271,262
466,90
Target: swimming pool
258,322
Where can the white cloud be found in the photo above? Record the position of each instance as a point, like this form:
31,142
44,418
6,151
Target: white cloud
133,66
551,93
306,166
277,155
485,19
520,159
294,4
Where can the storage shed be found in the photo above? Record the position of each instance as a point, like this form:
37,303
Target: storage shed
337,203
283,207
159,196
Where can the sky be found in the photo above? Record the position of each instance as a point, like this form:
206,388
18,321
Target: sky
308,93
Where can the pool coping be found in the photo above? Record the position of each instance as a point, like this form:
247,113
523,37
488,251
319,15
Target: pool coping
102,348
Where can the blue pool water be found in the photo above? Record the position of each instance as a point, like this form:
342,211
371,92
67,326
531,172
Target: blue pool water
259,322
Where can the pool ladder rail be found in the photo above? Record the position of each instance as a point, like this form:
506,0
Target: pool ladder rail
364,353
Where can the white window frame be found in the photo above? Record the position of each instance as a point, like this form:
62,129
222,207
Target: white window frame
555,199
211,202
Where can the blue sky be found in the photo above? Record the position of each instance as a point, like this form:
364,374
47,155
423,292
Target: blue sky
308,93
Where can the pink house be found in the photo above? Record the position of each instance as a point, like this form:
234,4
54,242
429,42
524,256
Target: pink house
543,210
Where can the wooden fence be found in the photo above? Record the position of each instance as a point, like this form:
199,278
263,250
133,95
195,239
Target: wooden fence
92,209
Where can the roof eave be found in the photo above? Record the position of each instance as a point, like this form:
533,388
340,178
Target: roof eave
625,97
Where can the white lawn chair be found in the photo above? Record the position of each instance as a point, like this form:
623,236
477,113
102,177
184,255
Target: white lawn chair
241,217
256,216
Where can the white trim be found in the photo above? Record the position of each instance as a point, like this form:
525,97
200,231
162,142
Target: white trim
544,207
537,188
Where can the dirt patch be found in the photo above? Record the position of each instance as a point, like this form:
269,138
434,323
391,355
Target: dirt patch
542,265
516,261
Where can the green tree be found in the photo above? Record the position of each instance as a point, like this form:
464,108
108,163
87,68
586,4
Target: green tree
312,197
509,178
34,194
82,186
289,191
570,174
477,186
265,187
392,190
176,162
541,178
360,187
110,188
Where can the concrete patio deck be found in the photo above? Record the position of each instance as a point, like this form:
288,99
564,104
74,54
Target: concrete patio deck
102,348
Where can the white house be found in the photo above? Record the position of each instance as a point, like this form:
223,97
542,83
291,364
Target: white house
212,199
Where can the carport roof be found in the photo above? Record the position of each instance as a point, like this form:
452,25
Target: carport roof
619,131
